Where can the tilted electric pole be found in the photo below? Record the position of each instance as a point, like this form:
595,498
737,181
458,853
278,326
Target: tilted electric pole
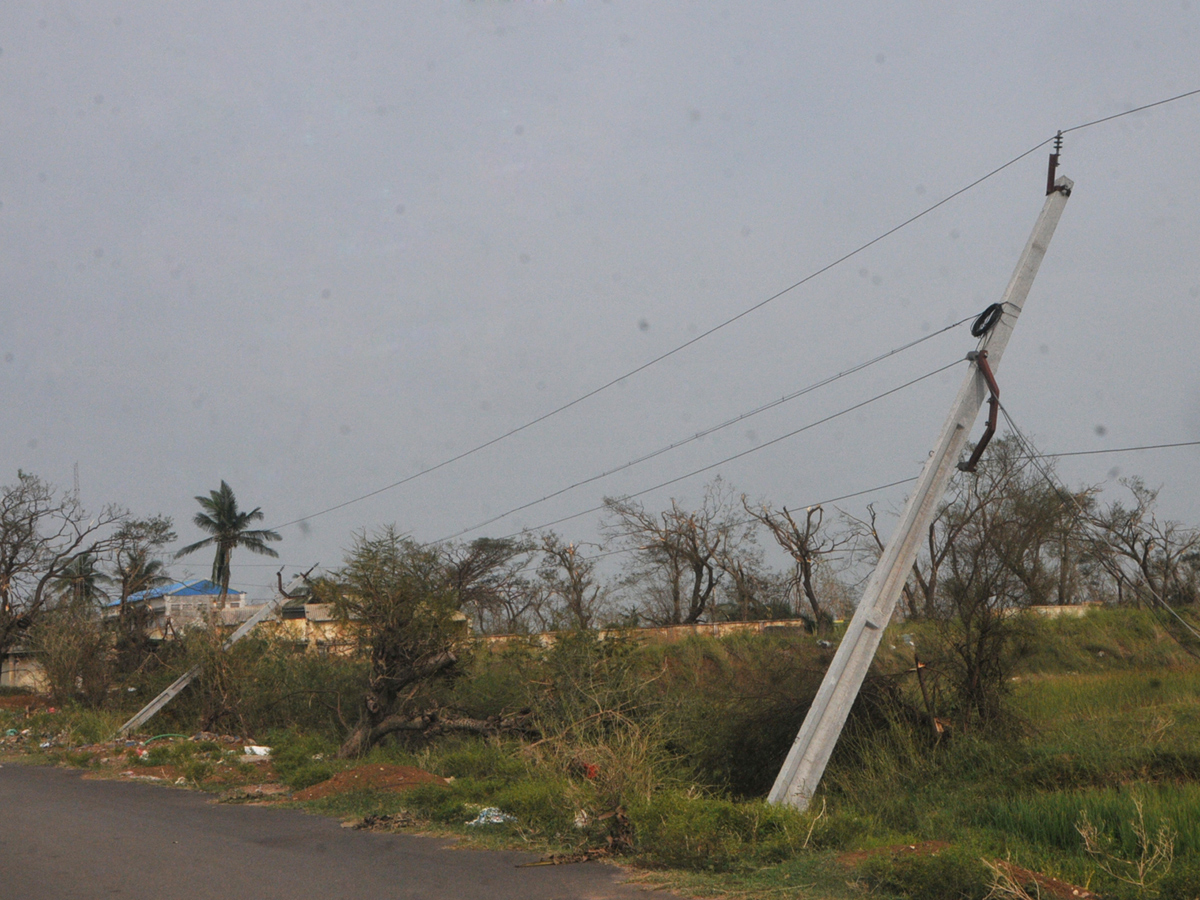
801,773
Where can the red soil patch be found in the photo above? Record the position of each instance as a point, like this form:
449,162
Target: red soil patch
377,777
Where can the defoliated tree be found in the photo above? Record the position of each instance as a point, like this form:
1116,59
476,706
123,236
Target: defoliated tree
679,552
228,529
808,545
1151,561
570,578
42,533
486,574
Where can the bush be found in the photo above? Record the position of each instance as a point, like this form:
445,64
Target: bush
733,706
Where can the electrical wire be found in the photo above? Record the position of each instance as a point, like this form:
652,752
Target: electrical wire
741,417
663,356
1123,449
1130,112
728,459
732,319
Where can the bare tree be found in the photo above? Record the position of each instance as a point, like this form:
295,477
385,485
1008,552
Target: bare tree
1149,560
488,576
807,544
570,578
42,534
678,552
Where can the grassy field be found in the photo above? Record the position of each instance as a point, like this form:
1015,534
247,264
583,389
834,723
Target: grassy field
1100,739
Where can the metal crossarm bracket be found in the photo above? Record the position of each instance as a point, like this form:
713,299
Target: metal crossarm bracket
980,360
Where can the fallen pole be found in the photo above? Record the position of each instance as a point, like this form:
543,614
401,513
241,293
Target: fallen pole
151,709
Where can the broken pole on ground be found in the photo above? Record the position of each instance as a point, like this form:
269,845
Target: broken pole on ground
151,709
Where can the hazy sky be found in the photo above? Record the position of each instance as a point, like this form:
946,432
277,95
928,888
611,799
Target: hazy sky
313,248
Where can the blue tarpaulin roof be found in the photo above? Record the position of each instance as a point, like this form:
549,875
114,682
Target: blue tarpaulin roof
201,588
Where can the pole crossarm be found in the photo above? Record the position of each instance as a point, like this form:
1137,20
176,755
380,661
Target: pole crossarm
805,764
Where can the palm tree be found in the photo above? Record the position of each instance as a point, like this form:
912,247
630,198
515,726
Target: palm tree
227,527
135,571
79,581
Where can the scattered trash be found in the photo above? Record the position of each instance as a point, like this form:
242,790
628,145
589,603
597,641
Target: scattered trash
12,732
491,815
388,822
256,792
256,750
181,780
44,745
582,819
562,859
825,645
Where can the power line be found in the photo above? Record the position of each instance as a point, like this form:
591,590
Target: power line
732,319
741,417
652,362
1124,449
892,484
763,446
1130,112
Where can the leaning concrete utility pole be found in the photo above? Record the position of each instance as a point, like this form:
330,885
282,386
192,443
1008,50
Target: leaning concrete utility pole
801,773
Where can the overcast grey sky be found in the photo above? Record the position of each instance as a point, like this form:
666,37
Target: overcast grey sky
312,248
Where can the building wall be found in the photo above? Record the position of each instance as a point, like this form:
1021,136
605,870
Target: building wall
21,671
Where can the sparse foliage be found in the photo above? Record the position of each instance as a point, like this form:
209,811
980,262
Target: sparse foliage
43,534
808,545
682,555
399,601
487,575
569,578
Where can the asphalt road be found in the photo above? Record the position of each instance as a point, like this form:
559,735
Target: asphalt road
66,838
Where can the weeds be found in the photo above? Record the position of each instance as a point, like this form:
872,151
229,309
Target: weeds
1153,855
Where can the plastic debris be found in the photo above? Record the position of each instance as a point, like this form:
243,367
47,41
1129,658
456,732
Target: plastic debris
491,815
256,750
12,732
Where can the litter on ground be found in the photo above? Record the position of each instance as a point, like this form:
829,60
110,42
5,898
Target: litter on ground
491,815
